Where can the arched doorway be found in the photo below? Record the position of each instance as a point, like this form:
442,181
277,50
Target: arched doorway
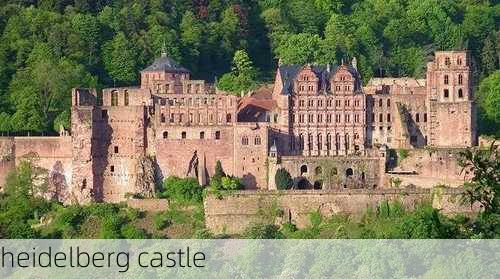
303,170
318,170
318,185
302,184
349,172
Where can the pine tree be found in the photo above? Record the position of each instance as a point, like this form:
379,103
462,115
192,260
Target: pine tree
488,56
283,179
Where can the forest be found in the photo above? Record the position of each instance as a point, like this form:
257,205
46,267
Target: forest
49,46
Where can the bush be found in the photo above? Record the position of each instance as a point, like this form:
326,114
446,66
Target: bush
184,190
283,179
129,231
161,220
263,231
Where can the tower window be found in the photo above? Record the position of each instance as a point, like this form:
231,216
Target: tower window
217,135
125,98
162,118
446,79
114,98
257,140
417,117
202,135
165,135
460,93
183,135
388,117
104,114
112,168
460,79
244,141
116,149
380,102
380,118
388,102
425,117
446,93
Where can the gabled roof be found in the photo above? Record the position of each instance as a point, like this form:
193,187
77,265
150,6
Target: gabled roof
288,74
165,64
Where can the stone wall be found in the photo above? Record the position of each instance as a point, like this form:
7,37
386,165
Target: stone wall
232,214
151,205
429,167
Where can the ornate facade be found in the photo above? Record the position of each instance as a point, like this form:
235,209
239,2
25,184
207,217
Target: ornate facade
319,122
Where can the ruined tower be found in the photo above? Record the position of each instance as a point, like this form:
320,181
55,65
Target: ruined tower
450,98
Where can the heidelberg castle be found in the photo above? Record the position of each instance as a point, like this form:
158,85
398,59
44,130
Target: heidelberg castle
319,122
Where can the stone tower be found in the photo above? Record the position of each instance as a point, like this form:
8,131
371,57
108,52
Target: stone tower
450,98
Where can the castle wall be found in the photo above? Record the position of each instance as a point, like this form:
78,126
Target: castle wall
233,214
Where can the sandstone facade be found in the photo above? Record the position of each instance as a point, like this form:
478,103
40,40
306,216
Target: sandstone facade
318,122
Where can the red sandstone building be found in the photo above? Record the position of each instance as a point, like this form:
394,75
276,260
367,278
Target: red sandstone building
319,122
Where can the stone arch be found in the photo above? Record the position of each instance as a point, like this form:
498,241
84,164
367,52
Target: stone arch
349,172
303,170
318,184
302,183
318,170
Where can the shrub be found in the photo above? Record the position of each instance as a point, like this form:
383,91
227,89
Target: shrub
283,179
184,190
263,231
161,221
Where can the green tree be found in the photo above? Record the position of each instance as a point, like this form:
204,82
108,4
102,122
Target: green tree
119,56
283,179
483,188
489,102
489,56
298,48
242,76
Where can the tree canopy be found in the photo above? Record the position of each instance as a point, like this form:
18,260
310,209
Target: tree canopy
50,46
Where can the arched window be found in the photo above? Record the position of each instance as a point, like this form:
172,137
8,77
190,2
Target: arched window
320,142
183,135
328,141
303,169
310,141
334,171
202,135
125,98
447,61
257,140
380,118
217,135
388,117
349,172
460,93
301,141
347,141
228,117
114,98
460,79
244,140
380,102
446,79
318,170
388,102
337,141
165,135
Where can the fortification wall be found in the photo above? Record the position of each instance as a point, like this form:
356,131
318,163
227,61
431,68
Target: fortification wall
232,214
51,153
431,166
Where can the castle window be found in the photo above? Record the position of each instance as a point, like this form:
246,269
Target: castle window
380,118
380,102
337,118
244,140
112,168
116,149
318,170
301,103
446,93
460,93
310,118
320,142
329,118
310,141
446,79
356,118
165,135
183,135
337,88
162,118
180,117
228,117
257,140
347,118
104,114
459,61
301,141
356,136
447,61
320,103
320,118
328,141
217,135
388,102
417,117
114,98
425,117
348,172
125,98
388,117
172,118
460,79
303,169
202,135
276,118
373,117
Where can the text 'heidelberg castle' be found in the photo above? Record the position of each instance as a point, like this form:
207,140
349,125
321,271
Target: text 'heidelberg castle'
318,122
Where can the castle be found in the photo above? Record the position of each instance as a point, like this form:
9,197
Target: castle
318,122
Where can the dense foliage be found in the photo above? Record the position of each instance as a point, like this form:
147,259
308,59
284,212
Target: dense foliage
283,179
184,190
50,46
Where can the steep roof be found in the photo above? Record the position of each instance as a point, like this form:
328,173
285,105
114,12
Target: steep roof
165,64
288,74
